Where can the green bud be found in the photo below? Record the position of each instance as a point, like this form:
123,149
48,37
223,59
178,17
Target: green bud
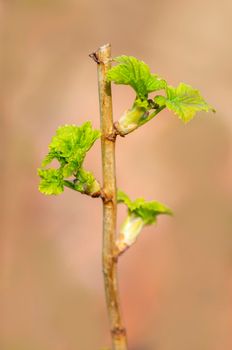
132,119
94,189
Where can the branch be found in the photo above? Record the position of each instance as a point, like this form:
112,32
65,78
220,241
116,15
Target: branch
118,333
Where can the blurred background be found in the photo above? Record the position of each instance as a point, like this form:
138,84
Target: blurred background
176,282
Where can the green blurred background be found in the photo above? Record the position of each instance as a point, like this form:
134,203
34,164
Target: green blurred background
176,284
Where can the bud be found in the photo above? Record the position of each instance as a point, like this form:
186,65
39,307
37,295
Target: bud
94,189
129,232
133,118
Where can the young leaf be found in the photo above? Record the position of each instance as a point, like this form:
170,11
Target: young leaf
69,146
131,71
123,198
51,181
183,101
140,213
148,211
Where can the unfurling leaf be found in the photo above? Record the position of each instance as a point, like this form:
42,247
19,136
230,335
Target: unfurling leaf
183,101
148,211
140,213
131,71
122,197
69,147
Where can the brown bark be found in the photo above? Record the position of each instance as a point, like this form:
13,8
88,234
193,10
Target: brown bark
118,332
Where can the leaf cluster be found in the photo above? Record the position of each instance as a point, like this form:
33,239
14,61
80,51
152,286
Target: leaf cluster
69,147
183,100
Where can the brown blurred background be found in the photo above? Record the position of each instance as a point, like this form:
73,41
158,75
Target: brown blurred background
176,284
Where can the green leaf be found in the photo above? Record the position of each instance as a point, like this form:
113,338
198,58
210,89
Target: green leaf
123,198
148,211
51,181
183,101
131,71
143,104
70,145
49,158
